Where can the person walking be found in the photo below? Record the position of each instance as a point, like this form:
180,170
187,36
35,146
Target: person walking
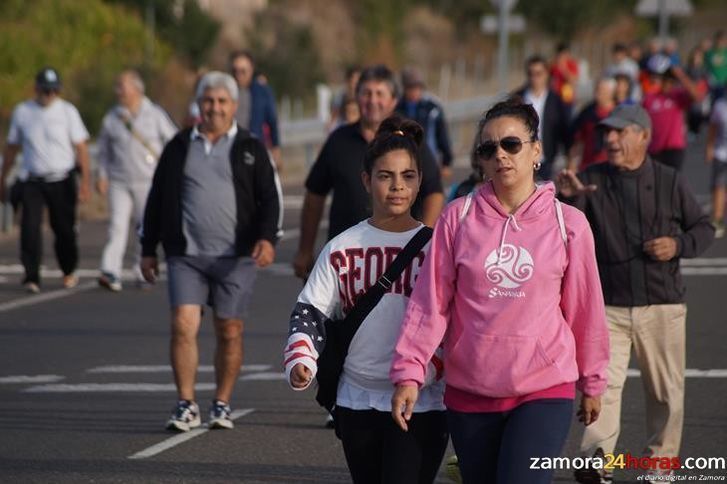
645,219
716,155
53,138
256,109
133,134
416,104
338,169
510,290
215,206
376,450
552,112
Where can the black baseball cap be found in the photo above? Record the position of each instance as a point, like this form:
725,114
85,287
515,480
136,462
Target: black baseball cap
48,79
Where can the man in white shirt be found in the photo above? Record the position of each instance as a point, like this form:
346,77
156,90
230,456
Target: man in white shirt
53,139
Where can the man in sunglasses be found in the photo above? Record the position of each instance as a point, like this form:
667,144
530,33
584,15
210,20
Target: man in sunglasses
644,219
552,112
256,110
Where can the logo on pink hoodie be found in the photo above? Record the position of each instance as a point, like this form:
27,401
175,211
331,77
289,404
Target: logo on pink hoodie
514,267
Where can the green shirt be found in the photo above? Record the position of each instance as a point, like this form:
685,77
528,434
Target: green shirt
716,60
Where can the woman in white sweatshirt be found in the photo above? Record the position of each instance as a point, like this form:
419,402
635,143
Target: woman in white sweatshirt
376,449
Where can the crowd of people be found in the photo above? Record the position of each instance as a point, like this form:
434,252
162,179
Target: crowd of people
535,285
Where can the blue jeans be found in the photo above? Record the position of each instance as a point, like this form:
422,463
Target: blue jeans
498,447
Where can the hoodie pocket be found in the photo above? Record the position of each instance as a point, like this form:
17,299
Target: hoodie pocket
499,366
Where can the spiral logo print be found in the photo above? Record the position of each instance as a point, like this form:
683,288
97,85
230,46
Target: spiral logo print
516,267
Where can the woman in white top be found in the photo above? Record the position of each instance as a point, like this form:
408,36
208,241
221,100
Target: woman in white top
376,449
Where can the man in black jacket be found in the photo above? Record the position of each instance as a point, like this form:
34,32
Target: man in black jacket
215,206
644,219
554,119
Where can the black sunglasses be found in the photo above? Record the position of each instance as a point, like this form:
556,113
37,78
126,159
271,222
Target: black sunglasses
511,144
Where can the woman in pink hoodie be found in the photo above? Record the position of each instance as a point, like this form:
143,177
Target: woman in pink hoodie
511,290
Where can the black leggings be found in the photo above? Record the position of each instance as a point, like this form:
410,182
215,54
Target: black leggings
378,451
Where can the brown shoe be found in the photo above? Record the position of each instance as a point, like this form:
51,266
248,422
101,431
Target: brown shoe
70,281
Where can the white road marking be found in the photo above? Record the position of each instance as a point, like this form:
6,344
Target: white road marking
688,373
31,379
704,261
47,296
112,388
140,387
165,368
181,438
264,376
704,271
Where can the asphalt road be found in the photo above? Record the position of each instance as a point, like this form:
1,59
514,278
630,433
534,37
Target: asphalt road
85,388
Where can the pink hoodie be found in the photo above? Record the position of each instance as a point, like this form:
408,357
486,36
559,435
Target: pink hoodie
518,310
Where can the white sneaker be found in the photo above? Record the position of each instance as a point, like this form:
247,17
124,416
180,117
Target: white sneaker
185,417
32,287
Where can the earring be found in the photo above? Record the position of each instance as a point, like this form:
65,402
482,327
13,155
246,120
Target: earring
537,166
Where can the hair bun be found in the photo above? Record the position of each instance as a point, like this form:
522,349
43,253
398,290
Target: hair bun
397,125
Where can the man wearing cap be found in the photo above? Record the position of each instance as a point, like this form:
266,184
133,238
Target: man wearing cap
53,139
425,110
644,219
132,136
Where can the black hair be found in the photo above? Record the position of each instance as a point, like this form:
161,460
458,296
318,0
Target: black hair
381,73
536,59
235,54
619,47
513,107
351,70
395,133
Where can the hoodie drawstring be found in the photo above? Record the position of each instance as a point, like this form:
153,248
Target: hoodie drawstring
510,218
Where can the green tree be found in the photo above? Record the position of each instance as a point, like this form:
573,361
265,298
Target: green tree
184,25
564,18
286,53
88,42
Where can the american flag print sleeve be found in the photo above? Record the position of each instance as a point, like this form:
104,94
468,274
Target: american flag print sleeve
318,302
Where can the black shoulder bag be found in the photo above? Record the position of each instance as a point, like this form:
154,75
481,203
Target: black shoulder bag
339,333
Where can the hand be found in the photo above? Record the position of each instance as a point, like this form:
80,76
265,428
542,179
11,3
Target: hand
263,253
300,376
102,186
84,191
661,249
590,409
402,405
709,155
569,185
446,173
149,269
302,264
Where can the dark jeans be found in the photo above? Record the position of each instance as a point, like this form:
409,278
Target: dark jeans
498,447
377,451
60,198
673,158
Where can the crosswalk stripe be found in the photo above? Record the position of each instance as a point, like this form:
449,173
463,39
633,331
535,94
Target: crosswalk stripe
181,438
14,379
166,368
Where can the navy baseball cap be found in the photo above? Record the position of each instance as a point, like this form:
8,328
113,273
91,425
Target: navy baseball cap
48,78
